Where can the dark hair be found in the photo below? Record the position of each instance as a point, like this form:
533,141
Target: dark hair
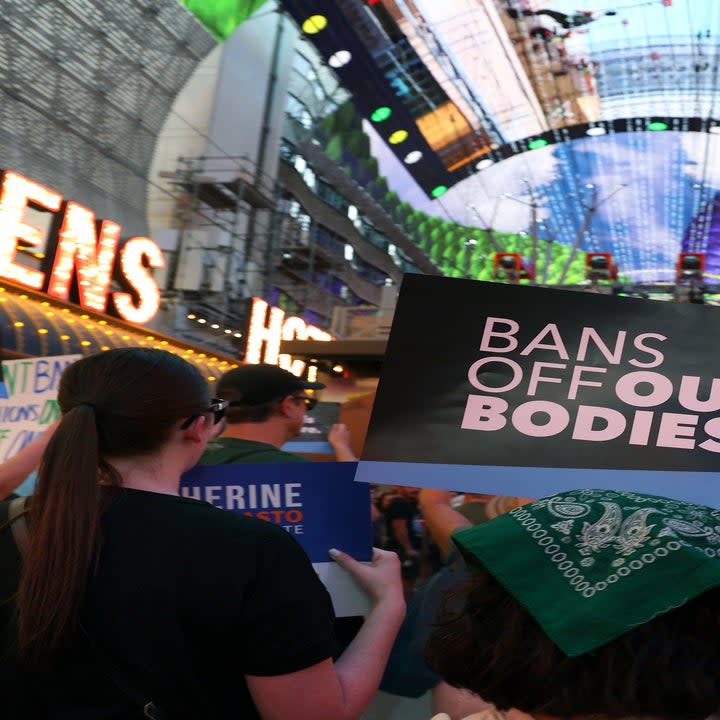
119,403
669,667
380,499
250,413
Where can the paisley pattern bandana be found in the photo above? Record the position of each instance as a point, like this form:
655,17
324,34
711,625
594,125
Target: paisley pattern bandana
589,565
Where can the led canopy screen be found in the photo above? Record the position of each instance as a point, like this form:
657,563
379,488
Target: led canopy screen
644,196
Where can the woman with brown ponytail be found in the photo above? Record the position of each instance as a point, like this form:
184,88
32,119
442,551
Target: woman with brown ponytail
129,600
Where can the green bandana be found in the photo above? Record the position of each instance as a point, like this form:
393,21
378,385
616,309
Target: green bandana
589,565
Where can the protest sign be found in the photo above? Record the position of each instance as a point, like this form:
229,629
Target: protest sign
522,390
319,504
28,399
315,429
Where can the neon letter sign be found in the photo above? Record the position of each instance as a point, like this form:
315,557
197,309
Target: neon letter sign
267,327
81,254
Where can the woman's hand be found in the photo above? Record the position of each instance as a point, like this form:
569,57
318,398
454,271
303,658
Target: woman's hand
380,579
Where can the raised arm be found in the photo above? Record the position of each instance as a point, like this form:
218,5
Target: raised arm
339,438
15,469
440,518
343,689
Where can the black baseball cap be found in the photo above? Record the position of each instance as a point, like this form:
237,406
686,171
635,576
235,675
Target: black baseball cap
258,384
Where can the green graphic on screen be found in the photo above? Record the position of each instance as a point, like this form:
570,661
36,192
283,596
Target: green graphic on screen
221,17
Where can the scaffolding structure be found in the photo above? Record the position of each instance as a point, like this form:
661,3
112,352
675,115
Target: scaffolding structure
564,80
237,238
220,241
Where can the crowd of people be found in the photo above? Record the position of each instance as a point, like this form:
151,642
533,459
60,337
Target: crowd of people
120,599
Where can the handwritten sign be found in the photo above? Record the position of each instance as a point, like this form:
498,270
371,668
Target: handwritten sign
28,399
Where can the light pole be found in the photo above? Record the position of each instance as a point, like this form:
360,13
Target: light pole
533,205
590,211
487,227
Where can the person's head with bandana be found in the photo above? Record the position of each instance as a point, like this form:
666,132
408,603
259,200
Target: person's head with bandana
589,603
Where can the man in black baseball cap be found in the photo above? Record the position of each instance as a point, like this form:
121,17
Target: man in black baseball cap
267,409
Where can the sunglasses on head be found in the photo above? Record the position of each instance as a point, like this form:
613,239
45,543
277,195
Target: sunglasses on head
217,408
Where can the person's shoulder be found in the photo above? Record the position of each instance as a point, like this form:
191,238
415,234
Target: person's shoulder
226,450
185,514
206,516
285,456
265,453
236,451
241,536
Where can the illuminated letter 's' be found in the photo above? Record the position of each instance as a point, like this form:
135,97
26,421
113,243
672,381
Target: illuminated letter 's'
142,300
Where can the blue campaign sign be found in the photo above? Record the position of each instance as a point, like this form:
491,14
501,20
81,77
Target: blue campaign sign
318,503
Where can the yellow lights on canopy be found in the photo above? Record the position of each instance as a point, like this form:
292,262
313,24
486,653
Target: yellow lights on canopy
314,24
103,327
398,136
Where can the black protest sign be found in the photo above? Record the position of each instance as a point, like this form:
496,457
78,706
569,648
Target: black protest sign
319,421
506,375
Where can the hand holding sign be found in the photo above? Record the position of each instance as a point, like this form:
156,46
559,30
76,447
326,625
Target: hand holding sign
339,438
318,503
380,578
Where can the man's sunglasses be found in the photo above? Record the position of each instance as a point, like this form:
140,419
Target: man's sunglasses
310,403
217,408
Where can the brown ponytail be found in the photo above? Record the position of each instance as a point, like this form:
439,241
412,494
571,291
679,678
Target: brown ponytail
120,403
64,527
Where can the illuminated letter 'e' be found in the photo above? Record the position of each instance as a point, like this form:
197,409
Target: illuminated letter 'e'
18,193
